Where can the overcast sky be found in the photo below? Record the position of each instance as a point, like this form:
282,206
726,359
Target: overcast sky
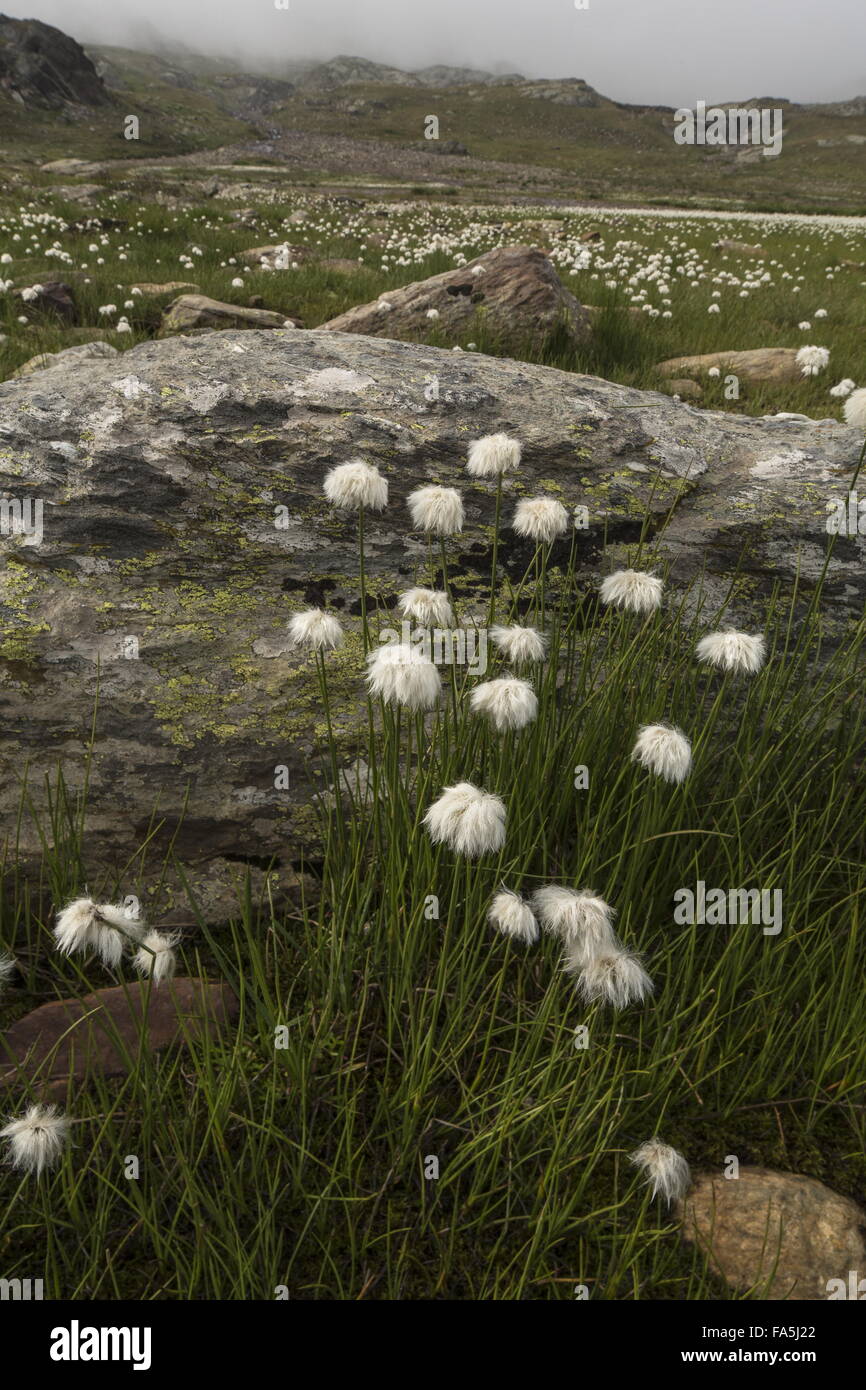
672,52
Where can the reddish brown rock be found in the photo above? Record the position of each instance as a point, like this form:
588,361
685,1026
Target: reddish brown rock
101,1033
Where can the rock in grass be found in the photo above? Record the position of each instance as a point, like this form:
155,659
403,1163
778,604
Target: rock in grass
100,1034
781,1234
192,311
514,290
65,357
773,366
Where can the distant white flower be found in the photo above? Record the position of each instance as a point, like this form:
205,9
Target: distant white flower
237,283
804,326
433,314
583,921
855,409
540,518
733,651
315,629
843,387
36,1141
429,607
714,309
509,703
633,590
665,1168
513,917
106,309
493,455
812,360
663,750
470,821
519,644
123,325
400,674
356,484
155,956
617,977
438,510
820,314
5,259
714,371
31,293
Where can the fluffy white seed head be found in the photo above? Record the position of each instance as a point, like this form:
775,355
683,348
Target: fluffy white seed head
583,921
356,484
315,629
8,966
437,510
103,928
509,703
633,590
664,1167
664,750
36,1141
470,821
812,360
843,388
493,455
519,644
429,607
513,917
155,956
542,519
741,652
616,977
855,409
400,674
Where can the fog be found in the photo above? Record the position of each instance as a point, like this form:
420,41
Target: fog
671,52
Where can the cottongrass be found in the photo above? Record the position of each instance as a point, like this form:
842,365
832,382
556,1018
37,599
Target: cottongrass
615,977
400,674
582,920
854,409
508,702
316,630
812,360
429,607
664,750
519,644
493,455
664,1167
437,510
633,590
470,821
104,929
356,484
740,652
156,957
37,1140
542,519
843,388
513,916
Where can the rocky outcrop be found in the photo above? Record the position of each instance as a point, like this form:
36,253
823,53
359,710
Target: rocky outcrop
196,311
81,352
183,523
781,1235
41,66
512,296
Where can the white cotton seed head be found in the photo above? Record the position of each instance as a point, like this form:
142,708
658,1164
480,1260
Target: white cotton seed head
437,510
843,388
519,644
513,917
400,674
664,1167
155,956
429,607
315,629
855,409
103,928
812,360
470,821
741,652
493,455
356,484
633,590
36,1141
542,519
664,750
509,703
582,920
8,966
615,977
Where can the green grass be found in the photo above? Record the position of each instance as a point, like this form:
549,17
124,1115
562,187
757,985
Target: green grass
415,1033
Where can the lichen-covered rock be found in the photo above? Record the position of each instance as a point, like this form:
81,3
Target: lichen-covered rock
194,311
512,294
183,523
81,352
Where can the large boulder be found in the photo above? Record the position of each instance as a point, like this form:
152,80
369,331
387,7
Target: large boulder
42,66
512,296
184,523
81,352
195,311
776,366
